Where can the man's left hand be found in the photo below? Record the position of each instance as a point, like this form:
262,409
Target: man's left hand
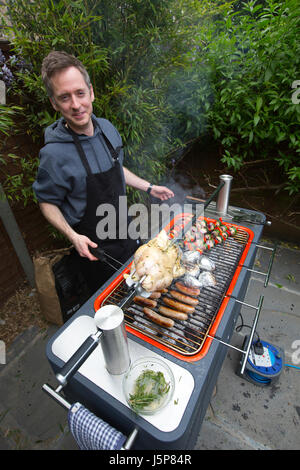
161,192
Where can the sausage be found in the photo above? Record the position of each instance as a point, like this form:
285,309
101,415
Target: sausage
155,295
144,301
162,291
178,305
157,318
169,312
187,290
183,298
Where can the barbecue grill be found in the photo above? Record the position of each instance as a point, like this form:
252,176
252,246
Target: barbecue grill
188,340
194,349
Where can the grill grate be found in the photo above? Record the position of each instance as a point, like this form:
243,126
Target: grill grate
187,337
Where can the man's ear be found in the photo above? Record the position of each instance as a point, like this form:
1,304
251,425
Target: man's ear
52,101
92,93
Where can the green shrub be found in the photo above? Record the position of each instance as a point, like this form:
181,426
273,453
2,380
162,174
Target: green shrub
129,49
167,73
253,57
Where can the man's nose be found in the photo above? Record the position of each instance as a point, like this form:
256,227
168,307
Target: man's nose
75,102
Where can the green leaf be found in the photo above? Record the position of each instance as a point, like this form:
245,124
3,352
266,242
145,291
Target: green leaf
259,102
256,119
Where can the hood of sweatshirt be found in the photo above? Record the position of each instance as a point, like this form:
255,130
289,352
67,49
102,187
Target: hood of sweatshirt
57,132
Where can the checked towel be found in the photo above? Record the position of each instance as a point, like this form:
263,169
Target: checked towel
90,432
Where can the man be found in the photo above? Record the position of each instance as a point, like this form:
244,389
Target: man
81,167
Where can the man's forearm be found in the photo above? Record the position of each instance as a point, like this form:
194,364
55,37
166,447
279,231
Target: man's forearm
55,217
161,192
135,181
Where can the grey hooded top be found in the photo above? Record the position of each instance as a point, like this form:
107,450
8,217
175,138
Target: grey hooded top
61,177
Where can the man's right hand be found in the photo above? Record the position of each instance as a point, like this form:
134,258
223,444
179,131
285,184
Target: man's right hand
81,244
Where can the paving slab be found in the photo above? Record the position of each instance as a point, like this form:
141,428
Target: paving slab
28,418
241,415
252,417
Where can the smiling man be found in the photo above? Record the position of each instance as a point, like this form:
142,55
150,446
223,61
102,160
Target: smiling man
81,167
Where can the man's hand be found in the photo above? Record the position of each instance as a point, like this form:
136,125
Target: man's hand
81,244
161,192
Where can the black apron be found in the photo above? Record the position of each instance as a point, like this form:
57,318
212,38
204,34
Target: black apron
102,188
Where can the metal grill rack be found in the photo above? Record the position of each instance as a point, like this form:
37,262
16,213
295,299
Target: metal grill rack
187,337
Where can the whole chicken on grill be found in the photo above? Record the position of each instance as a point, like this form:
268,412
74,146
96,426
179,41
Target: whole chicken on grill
159,261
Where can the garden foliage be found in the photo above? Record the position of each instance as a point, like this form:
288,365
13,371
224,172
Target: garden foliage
167,73
253,55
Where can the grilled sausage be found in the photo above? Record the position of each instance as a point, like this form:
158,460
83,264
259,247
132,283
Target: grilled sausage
169,312
178,305
183,298
155,295
187,290
162,291
157,318
144,301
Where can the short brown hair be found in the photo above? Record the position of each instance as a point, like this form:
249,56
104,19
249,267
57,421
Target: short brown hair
59,60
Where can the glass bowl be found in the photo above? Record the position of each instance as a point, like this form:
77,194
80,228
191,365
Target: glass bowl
148,385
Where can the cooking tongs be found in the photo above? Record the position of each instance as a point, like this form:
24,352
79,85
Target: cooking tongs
135,287
105,257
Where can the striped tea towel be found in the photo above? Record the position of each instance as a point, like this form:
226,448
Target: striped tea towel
90,432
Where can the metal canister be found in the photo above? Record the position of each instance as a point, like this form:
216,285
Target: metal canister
110,320
224,194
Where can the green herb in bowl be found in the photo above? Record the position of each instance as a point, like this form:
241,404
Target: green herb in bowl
149,391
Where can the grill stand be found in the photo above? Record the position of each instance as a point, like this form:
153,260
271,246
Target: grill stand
205,373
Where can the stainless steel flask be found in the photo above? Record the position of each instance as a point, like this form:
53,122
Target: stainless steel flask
111,333
110,320
224,193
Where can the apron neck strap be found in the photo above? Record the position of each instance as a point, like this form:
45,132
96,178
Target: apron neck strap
114,152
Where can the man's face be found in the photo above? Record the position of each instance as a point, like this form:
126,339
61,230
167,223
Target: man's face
73,99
